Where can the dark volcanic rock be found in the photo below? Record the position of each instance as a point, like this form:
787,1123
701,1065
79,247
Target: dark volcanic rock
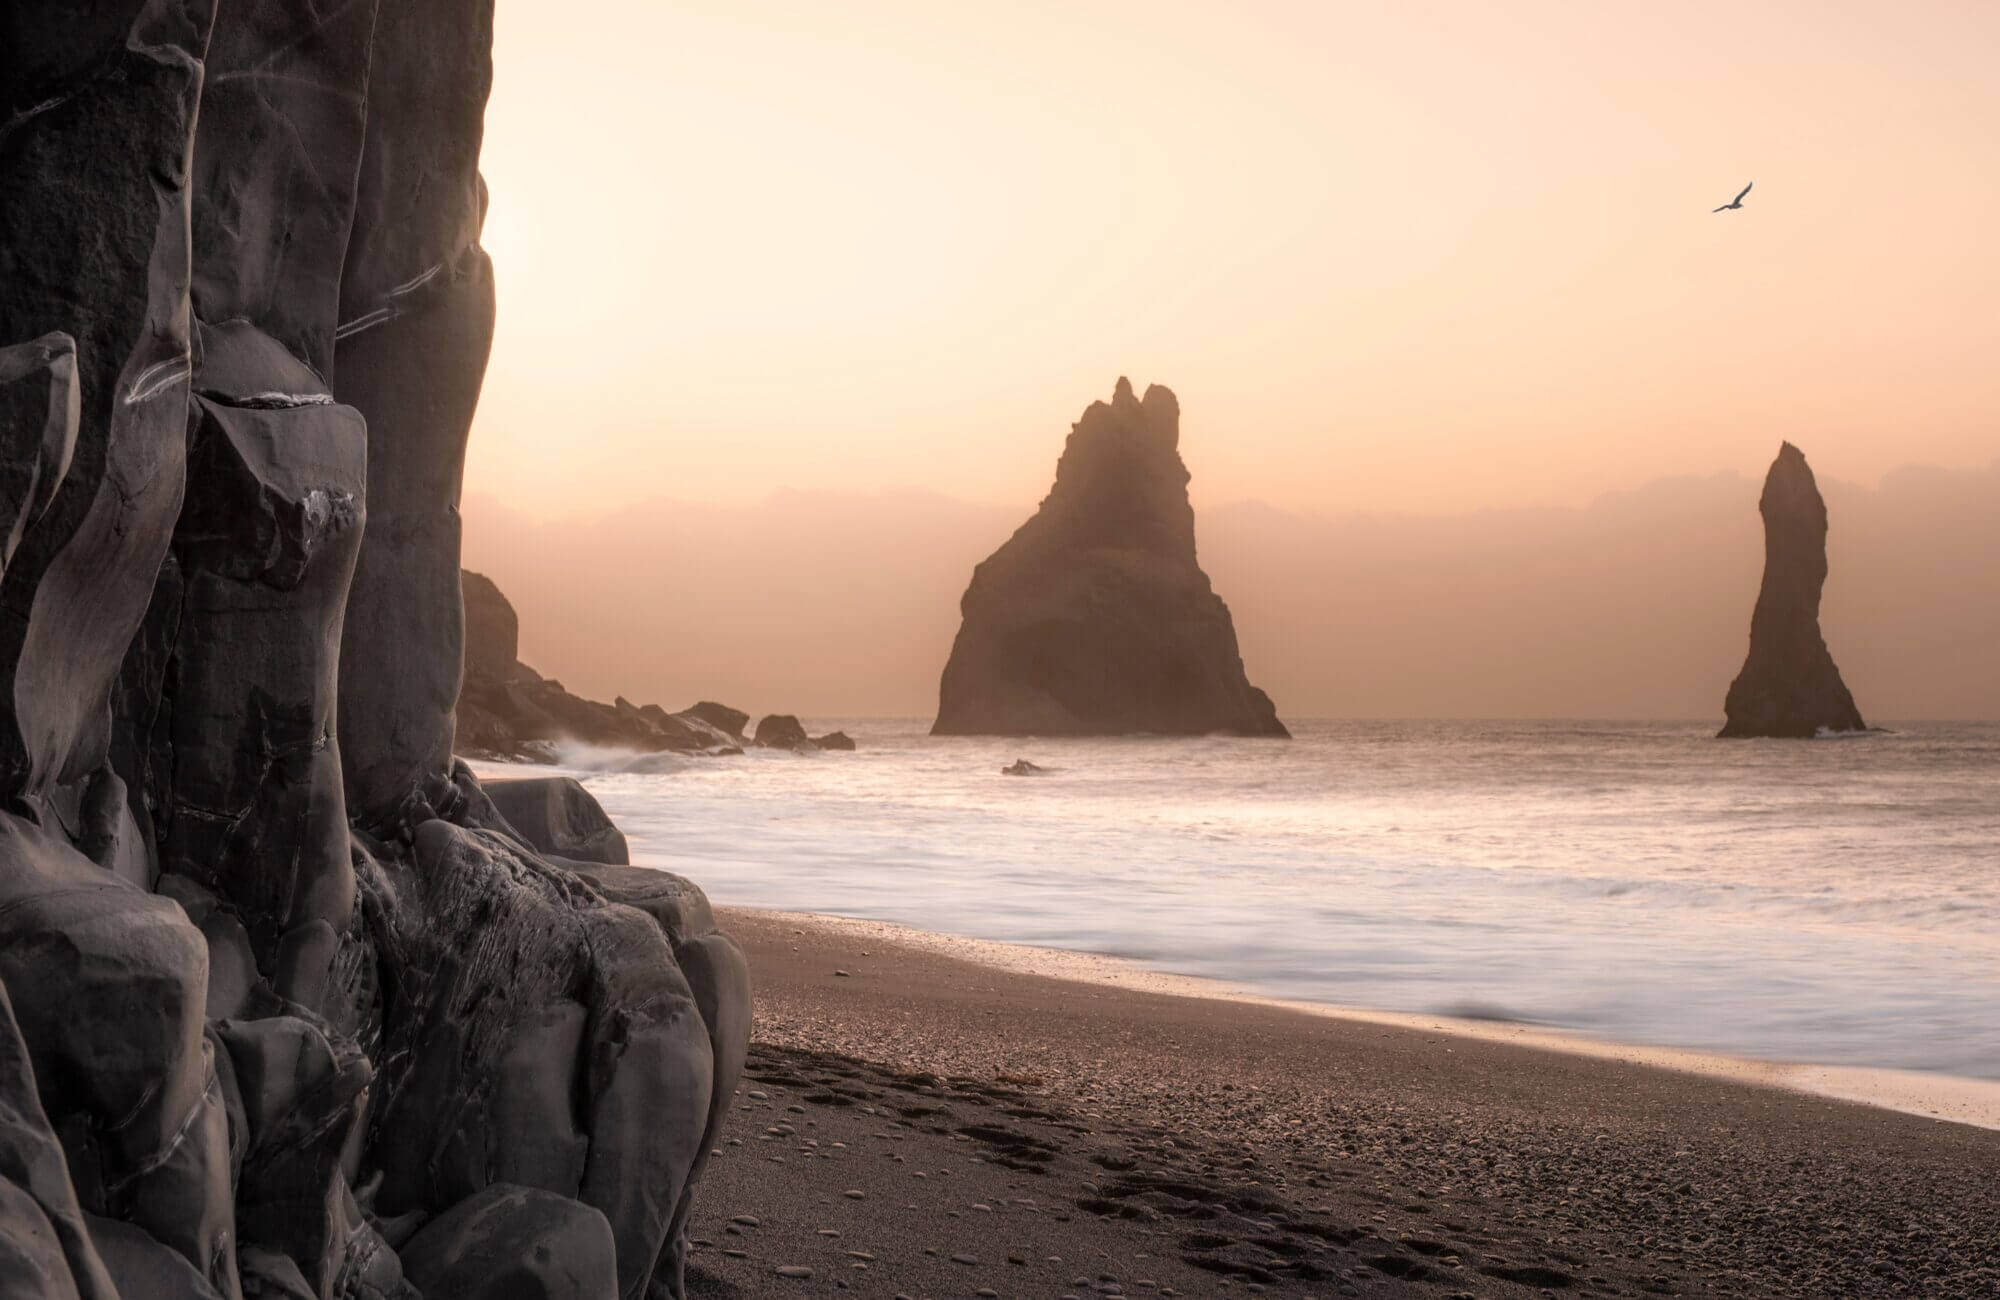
557,815
415,325
94,222
507,710
781,731
1095,618
1789,686
278,982
515,1243
720,716
492,629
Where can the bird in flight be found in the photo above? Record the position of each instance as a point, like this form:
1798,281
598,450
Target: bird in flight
1736,202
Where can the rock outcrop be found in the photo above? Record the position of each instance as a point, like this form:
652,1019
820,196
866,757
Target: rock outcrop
507,710
286,1000
1789,686
1095,618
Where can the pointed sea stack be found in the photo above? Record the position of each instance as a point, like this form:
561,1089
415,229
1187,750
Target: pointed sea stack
1789,686
1094,619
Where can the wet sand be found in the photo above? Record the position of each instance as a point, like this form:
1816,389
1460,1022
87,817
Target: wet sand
1014,1134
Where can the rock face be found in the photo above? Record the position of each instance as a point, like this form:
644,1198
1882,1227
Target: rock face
1789,686
1095,618
280,985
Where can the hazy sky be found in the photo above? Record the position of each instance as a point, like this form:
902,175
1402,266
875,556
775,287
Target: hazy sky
1391,255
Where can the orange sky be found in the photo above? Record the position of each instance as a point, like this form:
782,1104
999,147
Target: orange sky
1398,256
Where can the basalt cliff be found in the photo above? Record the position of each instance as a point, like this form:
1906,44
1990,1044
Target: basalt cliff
1095,618
288,1006
1789,686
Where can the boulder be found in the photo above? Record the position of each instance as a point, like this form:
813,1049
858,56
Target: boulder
1789,686
557,815
834,740
515,1243
781,731
489,938
730,722
1095,617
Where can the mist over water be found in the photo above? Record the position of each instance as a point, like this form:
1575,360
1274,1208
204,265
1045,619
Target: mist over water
1832,902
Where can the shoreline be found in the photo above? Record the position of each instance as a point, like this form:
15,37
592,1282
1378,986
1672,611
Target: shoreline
923,1106
1945,1098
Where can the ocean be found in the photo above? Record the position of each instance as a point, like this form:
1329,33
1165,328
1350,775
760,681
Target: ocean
1829,902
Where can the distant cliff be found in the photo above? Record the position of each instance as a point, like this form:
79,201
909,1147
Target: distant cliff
507,710
1095,618
1789,685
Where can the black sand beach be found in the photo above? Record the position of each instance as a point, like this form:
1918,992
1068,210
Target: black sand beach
1015,1135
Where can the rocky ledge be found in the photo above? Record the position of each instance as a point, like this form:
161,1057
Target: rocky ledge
288,1005
1789,686
508,711
1095,618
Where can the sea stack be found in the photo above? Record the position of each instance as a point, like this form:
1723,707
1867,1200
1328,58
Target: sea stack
1789,686
1095,619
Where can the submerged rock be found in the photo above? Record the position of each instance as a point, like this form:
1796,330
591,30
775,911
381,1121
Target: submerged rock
1095,617
1022,767
1789,686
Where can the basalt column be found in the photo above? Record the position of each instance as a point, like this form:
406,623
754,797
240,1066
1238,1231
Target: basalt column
416,323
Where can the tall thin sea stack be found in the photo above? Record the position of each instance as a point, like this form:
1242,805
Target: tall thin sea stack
1095,617
1789,686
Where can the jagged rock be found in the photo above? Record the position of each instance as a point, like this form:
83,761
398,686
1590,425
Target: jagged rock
1095,617
515,1243
557,815
781,731
1022,767
1789,686
834,740
46,1248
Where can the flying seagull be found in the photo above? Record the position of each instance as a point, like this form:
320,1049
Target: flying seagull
1736,202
